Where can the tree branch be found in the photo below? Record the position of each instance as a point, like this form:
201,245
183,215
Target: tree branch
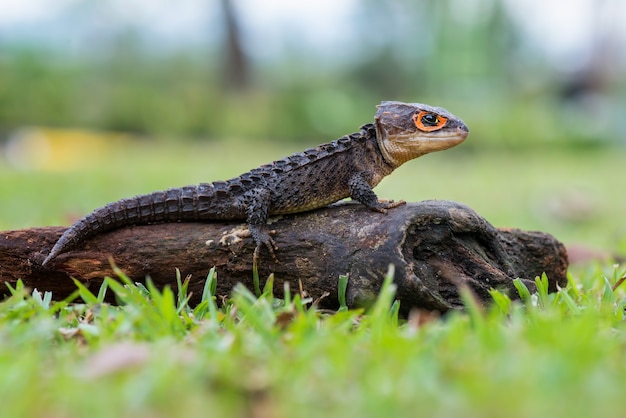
437,247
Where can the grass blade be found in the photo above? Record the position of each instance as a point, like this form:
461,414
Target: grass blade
341,290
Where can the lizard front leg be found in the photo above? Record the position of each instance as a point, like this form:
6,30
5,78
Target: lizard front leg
361,191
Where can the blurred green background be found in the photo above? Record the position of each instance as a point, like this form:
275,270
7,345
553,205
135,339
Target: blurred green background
101,100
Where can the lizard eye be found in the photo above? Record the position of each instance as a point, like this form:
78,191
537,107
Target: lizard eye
429,119
428,122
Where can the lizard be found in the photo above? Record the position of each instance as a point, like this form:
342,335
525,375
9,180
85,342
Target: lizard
350,166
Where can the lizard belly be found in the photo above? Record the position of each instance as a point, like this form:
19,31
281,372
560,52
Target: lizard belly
309,196
302,204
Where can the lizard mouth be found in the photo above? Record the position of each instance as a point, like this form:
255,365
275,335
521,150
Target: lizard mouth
457,133
402,148
440,138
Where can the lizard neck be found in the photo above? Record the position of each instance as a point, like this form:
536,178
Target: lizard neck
380,162
383,148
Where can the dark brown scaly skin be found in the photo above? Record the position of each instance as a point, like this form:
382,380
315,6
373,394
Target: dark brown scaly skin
348,167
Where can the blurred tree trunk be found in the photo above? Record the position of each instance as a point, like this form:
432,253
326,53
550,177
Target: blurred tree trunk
236,66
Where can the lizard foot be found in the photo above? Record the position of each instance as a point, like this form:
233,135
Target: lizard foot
384,205
263,237
271,247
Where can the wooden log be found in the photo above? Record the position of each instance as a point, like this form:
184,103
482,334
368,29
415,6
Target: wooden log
436,248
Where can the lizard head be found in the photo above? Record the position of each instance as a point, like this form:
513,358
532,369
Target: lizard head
408,130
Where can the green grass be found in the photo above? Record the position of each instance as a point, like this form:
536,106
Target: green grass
155,356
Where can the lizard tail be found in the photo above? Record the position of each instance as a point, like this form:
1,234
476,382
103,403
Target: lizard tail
185,203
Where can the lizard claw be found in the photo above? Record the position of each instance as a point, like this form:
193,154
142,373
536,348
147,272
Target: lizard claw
384,205
271,246
263,237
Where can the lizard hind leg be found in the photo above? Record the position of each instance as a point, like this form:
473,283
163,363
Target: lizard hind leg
257,204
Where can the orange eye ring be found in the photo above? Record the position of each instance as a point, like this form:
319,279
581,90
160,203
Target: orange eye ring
428,121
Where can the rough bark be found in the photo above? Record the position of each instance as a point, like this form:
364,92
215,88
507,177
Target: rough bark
436,247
